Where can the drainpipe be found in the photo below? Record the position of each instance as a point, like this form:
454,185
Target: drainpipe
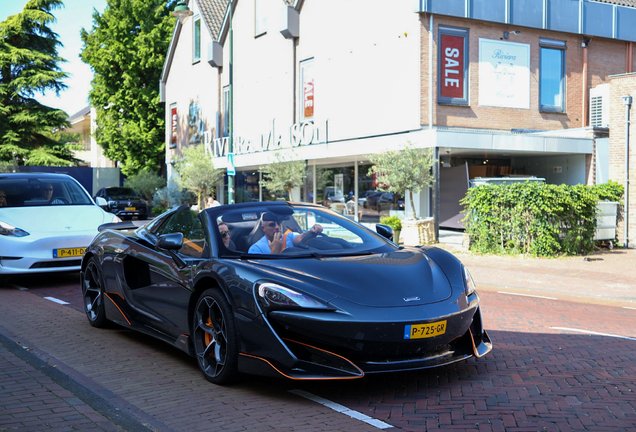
627,100
584,79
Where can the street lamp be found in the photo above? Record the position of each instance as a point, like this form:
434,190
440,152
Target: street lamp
182,11
627,100
231,170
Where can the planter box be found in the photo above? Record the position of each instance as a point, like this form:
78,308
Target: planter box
418,232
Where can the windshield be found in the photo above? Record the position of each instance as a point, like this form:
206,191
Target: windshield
121,192
293,231
23,192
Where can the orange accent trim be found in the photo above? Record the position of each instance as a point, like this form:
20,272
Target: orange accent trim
472,339
193,245
120,311
328,352
300,379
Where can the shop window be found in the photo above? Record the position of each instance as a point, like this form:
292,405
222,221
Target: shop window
552,76
196,40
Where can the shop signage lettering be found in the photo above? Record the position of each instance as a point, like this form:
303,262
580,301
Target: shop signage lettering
300,134
452,67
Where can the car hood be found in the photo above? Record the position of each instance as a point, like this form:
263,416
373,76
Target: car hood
48,219
400,278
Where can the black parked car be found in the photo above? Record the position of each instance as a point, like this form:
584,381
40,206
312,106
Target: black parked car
337,302
124,202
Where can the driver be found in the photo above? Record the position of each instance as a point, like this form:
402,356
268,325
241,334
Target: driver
273,241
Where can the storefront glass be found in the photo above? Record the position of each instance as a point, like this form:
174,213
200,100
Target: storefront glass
335,186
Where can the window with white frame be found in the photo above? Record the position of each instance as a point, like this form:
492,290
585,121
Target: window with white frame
307,89
196,40
260,17
552,75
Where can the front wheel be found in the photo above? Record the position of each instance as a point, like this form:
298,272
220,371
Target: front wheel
93,294
215,338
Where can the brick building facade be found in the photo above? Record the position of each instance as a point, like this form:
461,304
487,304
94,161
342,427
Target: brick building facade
493,87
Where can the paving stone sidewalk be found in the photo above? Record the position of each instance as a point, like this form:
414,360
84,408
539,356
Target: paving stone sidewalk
34,396
604,277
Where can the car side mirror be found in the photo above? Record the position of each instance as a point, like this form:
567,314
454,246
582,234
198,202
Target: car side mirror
385,231
101,202
171,242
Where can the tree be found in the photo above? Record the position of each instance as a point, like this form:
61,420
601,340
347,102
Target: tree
126,49
283,174
146,183
29,64
401,170
197,173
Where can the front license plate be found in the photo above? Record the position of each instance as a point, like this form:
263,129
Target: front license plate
70,252
420,331
131,208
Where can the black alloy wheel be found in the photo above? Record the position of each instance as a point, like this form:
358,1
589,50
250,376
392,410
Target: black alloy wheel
93,294
215,338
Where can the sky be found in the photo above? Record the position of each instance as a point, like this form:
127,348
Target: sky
70,19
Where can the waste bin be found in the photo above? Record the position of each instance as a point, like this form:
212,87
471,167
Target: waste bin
606,212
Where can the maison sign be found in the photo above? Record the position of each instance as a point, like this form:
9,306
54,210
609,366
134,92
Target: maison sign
299,134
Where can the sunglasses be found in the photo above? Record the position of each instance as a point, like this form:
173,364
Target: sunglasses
272,224
225,233
3,196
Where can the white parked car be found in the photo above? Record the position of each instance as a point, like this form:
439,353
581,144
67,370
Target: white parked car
46,222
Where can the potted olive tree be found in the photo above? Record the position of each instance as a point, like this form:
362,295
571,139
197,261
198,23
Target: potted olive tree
407,169
283,175
395,223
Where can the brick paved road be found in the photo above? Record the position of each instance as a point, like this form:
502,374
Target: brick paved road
539,377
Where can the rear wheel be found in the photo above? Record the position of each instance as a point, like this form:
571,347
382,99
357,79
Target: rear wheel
215,338
93,294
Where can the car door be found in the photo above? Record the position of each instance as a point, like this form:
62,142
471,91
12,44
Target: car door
163,292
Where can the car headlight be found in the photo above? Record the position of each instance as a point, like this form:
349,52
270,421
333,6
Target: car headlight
9,230
271,295
469,283
116,219
112,204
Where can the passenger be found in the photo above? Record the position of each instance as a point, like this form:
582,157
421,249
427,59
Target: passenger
3,199
273,241
224,230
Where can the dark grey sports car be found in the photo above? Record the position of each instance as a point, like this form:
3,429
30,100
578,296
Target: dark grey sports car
283,289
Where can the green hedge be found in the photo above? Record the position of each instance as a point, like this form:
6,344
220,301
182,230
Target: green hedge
535,218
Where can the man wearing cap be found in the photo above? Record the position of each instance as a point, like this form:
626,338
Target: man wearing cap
273,241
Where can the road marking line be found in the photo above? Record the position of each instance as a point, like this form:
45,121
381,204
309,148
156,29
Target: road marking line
527,295
53,299
593,333
627,307
342,409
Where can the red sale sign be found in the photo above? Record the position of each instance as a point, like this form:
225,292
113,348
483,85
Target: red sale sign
451,78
